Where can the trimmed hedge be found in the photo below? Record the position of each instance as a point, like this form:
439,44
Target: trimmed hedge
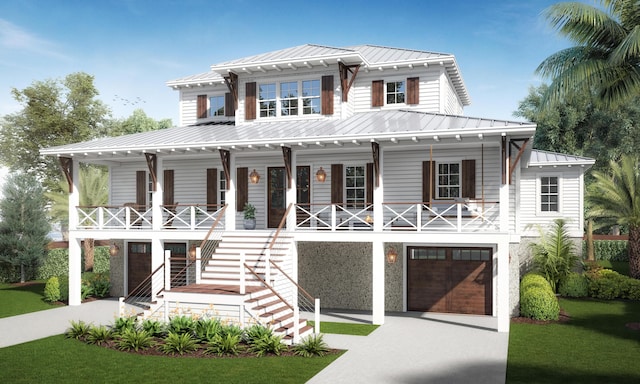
56,263
574,285
608,285
612,250
537,299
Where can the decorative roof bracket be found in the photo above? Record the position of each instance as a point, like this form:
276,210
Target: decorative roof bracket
152,164
225,158
232,83
521,148
66,164
286,154
345,82
375,150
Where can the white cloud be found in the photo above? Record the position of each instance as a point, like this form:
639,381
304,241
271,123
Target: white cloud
14,38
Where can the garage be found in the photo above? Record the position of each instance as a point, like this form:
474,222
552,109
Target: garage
449,280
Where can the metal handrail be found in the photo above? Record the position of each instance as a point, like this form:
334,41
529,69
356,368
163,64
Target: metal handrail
146,283
292,281
254,273
283,221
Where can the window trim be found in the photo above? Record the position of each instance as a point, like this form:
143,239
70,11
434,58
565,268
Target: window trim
539,210
404,93
345,188
210,106
437,179
300,99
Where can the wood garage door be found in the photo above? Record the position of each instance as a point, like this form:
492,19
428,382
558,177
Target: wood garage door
450,280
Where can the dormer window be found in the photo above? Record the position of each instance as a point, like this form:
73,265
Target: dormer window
395,92
289,99
311,97
216,106
285,99
267,99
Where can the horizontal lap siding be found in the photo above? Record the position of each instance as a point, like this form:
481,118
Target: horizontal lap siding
453,105
190,179
123,182
429,89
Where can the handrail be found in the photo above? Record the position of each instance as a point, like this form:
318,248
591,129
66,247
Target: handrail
144,282
215,224
282,223
291,280
254,273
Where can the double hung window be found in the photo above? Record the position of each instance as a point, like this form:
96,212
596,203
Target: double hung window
355,186
448,180
549,194
216,106
286,98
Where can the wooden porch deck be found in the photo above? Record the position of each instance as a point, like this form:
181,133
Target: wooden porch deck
216,289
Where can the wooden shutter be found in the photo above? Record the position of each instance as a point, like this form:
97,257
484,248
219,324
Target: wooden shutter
202,106
167,194
377,93
212,189
229,105
250,101
413,90
369,185
141,189
327,95
242,188
469,179
336,184
428,181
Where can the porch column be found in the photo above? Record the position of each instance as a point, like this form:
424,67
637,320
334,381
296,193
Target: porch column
230,195
157,196
157,258
75,254
377,277
378,196
504,192
292,195
503,285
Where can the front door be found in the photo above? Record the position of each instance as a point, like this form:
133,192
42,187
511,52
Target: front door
138,265
277,185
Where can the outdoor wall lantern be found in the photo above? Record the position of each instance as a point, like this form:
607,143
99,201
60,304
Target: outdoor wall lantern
254,177
114,249
392,255
192,252
321,175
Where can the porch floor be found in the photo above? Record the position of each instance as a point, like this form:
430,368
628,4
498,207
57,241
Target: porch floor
216,289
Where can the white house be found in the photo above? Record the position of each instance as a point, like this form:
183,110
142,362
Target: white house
351,156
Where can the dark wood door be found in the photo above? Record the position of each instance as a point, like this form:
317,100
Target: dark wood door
138,265
277,195
450,280
178,262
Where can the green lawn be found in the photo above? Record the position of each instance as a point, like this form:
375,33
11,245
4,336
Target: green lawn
346,328
59,360
17,300
622,267
593,347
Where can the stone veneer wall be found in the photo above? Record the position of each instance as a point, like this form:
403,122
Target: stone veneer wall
116,271
340,275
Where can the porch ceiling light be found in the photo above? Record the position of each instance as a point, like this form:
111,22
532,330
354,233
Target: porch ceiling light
114,249
192,252
321,175
254,177
392,255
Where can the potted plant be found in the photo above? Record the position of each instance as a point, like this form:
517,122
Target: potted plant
249,216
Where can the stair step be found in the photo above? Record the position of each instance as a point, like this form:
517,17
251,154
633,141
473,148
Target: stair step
275,311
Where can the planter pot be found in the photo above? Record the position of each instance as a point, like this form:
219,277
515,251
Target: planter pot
249,223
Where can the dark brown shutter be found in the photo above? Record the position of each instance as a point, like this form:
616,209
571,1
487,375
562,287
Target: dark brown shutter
369,186
327,95
336,184
202,106
242,188
229,105
250,101
141,188
212,189
428,181
377,93
469,179
413,90
167,194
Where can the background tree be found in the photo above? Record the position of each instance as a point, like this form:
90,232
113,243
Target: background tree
94,191
55,112
24,226
137,122
606,56
615,197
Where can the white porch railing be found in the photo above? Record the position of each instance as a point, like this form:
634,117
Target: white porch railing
130,216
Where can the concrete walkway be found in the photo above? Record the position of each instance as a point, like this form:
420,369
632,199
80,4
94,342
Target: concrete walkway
407,349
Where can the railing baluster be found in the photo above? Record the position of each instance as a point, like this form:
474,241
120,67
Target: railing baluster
242,273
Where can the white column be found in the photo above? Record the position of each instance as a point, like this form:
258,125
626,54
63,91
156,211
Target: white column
230,195
504,198
292,195
378,282
378,196
157,258
75,253
157,196
503,285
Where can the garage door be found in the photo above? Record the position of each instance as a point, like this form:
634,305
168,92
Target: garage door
450,280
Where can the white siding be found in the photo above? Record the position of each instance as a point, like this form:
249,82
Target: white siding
123,182
452,104
189,101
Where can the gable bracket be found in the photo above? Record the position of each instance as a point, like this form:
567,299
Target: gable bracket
66,164
152,164
232,83
520,148
225,158
286,154
345,82
375,151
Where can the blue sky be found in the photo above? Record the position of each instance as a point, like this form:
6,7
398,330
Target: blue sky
133,47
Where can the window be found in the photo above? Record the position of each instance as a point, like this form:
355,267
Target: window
427,253
448,180
222,188
216,106
355,186
289,99
472,254
310,97
395,92
267,100
549,194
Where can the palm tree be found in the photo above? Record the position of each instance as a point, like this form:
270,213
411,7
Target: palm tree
94,191
615,197
606,57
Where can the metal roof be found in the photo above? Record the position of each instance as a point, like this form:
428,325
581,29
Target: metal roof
389,126
540,158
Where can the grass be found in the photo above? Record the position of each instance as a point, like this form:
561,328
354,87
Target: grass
595,346
346,328
622,267
66,360
20,299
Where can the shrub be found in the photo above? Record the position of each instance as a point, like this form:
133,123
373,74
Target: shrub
52,290
64,287
268,344
232,330
574,285
256,332
134,339
605,283
78,330
224,345
612,250
123,324
206,329
100,285
539,304
153,327
99,335
313,345
533,280
554,255
181,324
179,343
85,289
631,289
55,263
